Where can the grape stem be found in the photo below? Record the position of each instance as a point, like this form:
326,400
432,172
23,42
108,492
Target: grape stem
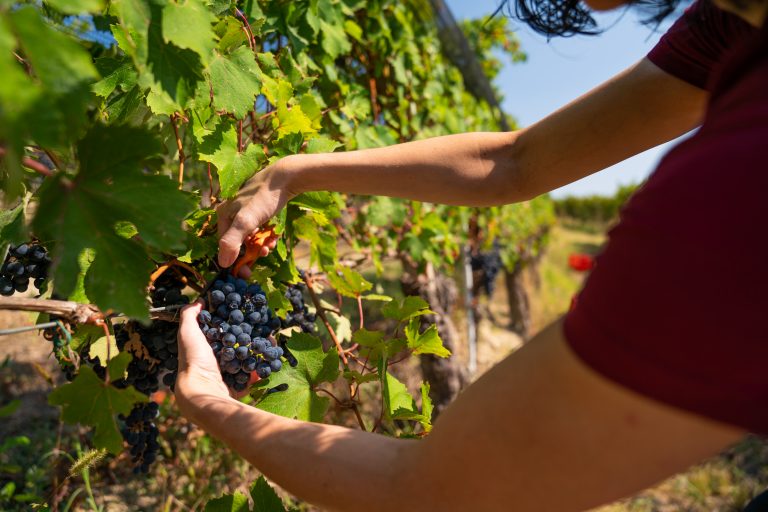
29,163
180,147
324,318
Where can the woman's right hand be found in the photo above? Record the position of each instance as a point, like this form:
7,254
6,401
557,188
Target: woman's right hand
260,199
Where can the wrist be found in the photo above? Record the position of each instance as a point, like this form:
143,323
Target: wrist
289,174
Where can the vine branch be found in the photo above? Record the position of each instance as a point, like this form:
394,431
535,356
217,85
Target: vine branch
324,318
76,312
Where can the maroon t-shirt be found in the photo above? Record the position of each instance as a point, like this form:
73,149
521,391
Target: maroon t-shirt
676,306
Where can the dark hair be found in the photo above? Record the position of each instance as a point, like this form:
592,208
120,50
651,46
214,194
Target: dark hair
571,17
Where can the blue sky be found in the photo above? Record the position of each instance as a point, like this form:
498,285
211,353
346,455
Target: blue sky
562,69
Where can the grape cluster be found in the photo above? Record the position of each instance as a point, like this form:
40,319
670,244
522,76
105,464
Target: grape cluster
300,315
237,324
490,264
141,434
22,263
158,362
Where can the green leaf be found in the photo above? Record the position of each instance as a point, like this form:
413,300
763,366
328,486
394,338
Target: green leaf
397,399
322,145
321,202
341,326
300,400
335,41
64,69
264,497
375,347
428,342
409,307
355,376
84,261
9,409
292,120
278,92
117,74
103,349
426,407
88,400
61,64
377,297
231,34
348,282
170,72
12,229
234,167
366,338
188,24
237,502
12,442
76,6
235,81
82,213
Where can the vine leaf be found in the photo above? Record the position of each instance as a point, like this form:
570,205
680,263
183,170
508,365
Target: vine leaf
348,282
322,145
170,72
9,408
188,24
76,6
264,497
427,342
81,213
88,400
292,120
400,405
397,399
409,307
300,400
102,348
234,167
235,81
11,227
375,347
236,502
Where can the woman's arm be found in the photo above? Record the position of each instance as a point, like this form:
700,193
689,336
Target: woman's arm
538,432
636,110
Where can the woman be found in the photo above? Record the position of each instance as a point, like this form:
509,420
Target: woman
661,362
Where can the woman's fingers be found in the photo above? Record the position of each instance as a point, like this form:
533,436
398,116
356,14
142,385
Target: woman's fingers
193,347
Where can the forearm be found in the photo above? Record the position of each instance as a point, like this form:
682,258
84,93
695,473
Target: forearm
334,467
473,169
636,110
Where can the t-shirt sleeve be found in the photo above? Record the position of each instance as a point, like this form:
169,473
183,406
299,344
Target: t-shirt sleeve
698,41
677,304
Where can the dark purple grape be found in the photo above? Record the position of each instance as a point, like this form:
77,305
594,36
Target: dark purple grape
204,317
249,364
227,354
242,352
229,340
236,317
217,297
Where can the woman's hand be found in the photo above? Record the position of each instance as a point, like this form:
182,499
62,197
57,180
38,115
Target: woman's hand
199,379
259,200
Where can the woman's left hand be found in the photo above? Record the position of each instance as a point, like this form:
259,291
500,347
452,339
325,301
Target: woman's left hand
199,379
